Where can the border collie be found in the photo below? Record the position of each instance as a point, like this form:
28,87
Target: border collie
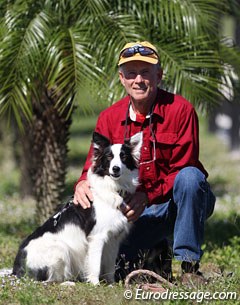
82,244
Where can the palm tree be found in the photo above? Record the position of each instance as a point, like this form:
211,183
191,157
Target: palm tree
51,50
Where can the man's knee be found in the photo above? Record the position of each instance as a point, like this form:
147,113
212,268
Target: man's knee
192,188
189,178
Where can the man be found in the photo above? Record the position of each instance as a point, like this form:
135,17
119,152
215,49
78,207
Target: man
174,196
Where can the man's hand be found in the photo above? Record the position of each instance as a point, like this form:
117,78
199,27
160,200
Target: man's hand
83,194
135,206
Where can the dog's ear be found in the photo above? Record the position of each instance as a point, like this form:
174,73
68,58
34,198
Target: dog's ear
100,142
136,144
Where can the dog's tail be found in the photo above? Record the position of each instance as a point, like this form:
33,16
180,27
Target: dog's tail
19,266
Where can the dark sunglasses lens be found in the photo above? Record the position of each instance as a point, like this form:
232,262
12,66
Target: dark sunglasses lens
128,52
145,51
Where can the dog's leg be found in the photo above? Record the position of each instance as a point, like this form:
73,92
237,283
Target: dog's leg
94,257
109,260
110,253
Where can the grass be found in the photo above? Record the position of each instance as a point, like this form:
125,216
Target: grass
222,239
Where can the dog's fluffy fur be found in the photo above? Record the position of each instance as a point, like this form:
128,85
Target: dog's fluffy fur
82,244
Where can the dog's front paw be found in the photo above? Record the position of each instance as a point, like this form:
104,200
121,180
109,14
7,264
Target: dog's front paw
93,280
68,283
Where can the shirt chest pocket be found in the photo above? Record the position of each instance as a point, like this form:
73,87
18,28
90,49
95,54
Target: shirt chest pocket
165,143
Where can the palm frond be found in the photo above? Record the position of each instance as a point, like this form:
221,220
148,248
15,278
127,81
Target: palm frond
192,72
21,50
16,103
69,64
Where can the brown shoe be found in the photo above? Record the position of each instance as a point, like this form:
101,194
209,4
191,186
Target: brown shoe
191,276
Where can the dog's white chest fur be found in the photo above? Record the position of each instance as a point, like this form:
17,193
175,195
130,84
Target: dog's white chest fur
110,228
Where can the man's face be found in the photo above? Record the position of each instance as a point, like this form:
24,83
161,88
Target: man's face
140,80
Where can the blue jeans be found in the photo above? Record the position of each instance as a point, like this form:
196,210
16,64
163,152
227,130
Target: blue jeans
183,216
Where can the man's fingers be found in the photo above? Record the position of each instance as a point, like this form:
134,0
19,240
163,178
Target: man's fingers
83,195
125,208
133,210
83,201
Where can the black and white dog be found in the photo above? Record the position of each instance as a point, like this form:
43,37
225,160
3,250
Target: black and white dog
82,244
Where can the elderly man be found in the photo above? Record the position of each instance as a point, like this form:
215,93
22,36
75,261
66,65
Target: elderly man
174,197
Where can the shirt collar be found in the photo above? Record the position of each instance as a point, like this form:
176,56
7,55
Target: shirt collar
133,115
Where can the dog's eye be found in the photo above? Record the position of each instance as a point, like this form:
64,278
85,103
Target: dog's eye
109,156
123,156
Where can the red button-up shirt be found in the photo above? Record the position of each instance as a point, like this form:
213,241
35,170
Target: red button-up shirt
174,129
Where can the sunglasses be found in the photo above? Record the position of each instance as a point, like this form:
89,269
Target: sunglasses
144,51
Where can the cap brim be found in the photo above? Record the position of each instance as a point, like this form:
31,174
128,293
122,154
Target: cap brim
138,57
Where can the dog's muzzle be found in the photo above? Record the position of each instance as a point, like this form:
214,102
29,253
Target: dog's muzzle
116,172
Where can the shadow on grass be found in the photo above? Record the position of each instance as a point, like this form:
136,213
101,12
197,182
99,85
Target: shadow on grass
220,229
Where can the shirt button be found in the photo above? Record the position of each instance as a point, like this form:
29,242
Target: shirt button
148,168
145,148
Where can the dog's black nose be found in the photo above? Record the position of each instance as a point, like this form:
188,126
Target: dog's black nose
116,169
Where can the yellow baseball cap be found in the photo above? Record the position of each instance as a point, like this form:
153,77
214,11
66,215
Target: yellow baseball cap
140,50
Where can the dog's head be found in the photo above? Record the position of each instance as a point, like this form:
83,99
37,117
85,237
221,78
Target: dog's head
117,159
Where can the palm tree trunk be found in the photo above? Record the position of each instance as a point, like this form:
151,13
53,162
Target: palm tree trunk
46,150
25,163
